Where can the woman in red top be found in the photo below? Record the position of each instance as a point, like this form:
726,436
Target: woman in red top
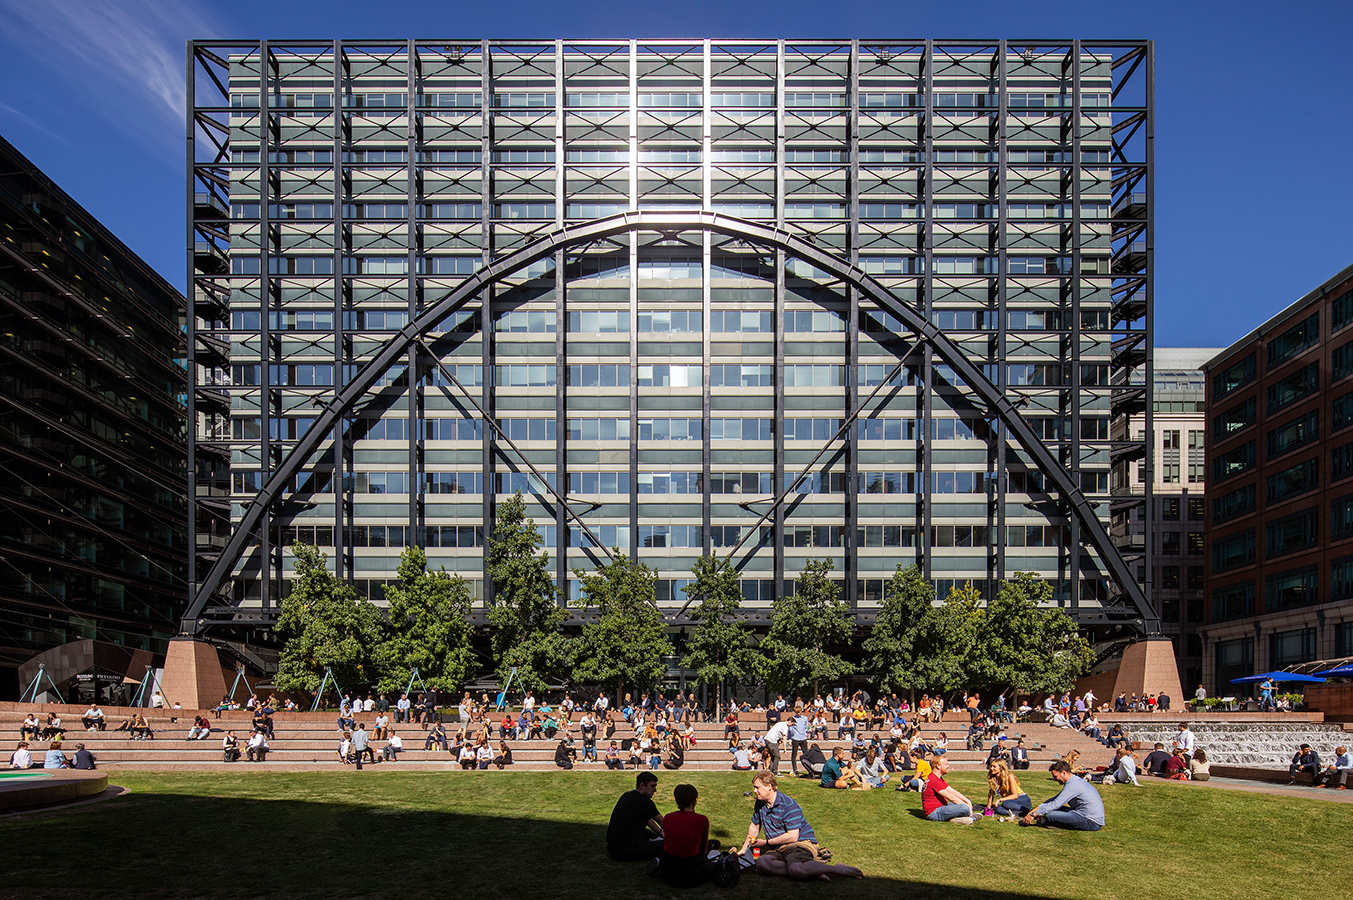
686,845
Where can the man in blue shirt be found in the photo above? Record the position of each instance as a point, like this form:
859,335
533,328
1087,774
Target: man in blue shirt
798,737
1343,765
1077,807
790,846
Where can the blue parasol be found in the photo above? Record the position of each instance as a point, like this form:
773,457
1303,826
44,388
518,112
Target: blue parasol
1277,676
1344,671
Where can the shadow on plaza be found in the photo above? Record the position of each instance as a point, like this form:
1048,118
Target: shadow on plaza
168,845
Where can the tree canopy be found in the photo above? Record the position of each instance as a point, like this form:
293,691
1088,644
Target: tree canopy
719,649
525,613
626,643
1025,643
893,650
326,625
802,626
429,628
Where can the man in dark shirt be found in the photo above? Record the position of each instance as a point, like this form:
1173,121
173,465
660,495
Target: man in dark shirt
83,758
1019,757
635,830
1156,760
1306,760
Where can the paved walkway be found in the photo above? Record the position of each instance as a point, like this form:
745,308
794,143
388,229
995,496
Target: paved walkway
1279,790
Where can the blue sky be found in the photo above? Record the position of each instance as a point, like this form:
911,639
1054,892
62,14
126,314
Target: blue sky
1254,114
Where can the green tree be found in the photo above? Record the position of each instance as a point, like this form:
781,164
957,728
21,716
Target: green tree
802,625
525,612
429,627
626,643
1026,644
325,624
891,650
719,650
947,640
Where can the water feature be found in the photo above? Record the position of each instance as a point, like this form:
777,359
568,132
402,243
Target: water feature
1267,745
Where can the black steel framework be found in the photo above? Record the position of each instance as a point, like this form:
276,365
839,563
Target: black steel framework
256,515
1131,240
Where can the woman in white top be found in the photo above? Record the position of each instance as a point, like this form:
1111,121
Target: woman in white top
1199,768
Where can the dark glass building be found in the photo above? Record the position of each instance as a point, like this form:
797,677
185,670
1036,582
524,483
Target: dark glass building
93,539
672,375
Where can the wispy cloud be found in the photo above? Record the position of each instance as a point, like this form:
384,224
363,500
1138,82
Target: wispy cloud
128,55
32,122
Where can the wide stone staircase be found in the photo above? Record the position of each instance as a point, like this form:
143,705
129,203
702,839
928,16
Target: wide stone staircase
309,741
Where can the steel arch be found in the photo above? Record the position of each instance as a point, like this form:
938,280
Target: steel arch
394,350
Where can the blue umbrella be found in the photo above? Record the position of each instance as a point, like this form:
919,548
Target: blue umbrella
1344,671
1277,676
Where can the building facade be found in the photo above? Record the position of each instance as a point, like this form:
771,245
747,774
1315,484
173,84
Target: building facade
1280,498
672,381
1179,502
92,429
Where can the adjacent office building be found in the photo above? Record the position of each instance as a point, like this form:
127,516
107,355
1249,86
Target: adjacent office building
1280,490
93,542
673,381
1179,505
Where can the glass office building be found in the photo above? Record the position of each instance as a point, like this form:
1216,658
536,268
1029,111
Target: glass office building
671,381
93,542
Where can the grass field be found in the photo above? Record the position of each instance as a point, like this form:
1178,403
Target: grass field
539,835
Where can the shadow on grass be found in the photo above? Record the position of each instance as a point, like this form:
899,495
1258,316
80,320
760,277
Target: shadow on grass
167,845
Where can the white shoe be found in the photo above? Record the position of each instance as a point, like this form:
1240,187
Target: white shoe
963,820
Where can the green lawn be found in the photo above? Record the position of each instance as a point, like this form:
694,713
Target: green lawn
536,835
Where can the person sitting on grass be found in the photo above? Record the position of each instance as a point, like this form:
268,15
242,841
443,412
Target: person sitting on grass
22,758
685,861
1155,761
1123,770
790,845
1177,767
838,774
1078,805
635,831
918,781
1004,796
939,801
871,769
